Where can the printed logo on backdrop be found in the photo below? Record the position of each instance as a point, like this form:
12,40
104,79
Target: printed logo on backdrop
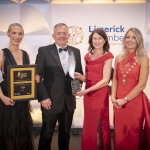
76,35
115,33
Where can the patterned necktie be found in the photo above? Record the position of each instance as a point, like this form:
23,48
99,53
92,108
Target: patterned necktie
62,49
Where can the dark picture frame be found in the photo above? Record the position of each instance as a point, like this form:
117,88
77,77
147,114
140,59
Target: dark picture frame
21,82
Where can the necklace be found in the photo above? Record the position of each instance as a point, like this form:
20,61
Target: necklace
96,56
125,73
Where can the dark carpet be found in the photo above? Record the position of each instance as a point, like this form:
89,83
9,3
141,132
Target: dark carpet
75,140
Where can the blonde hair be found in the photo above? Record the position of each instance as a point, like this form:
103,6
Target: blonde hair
140,50
14,24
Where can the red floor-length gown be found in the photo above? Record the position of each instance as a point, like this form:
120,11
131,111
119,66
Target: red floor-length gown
129,119
96,110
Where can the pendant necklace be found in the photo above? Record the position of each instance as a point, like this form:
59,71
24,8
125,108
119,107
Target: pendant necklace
125,73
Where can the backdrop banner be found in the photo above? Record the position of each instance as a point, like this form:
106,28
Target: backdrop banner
38,20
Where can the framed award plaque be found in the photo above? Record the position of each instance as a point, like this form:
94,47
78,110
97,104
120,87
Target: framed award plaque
21,82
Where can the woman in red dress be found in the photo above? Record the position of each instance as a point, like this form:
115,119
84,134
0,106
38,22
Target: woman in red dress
96,128
131,106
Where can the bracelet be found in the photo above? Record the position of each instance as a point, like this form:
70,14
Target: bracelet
126,99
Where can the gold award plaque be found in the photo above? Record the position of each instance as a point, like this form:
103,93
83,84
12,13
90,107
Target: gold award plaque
21,82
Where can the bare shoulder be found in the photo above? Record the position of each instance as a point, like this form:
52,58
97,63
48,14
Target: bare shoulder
144,60
1,55
1,52
119,58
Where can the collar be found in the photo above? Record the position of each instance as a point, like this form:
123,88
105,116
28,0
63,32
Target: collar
59,47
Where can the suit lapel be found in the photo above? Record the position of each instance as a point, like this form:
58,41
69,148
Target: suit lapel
54,52
69,50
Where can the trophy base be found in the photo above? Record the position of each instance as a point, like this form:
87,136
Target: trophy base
72,86
75,86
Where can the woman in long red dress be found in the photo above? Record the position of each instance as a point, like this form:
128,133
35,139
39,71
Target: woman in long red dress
96,128
131,106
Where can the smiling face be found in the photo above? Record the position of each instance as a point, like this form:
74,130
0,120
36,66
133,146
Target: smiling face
98,41
61,36
130,41
15,34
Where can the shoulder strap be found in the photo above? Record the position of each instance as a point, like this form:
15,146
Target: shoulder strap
9,59
25,58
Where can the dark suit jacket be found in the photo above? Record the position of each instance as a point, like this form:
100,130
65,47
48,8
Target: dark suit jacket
52,83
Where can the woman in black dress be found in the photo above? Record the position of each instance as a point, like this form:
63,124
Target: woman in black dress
15,118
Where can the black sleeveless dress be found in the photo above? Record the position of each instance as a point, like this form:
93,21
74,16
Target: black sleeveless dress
15,121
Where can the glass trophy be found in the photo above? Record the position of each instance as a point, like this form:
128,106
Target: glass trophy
75,84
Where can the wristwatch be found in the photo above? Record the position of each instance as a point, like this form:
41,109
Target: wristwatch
126,99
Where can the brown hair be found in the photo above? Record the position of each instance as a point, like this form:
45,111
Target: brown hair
102,34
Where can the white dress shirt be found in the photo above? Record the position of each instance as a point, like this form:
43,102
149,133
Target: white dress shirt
64,57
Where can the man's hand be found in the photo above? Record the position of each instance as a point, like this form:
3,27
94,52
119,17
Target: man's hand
46,103
37,78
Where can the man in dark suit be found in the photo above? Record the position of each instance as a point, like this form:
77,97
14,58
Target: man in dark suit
57,103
